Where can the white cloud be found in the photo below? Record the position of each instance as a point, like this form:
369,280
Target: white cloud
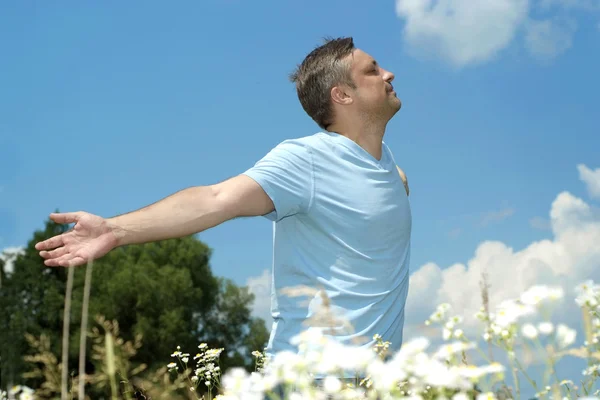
461,31
570,257
496,216
547,39
467,32
587,5
260,286
8,255
591,178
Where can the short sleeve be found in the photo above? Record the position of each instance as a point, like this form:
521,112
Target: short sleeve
286,175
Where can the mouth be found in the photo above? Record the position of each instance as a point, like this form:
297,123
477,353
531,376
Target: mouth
391,89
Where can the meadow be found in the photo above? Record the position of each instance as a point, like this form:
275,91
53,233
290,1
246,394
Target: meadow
462,363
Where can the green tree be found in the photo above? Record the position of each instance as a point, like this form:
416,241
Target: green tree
164,291
30,302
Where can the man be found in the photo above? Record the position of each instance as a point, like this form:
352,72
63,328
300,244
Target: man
342,219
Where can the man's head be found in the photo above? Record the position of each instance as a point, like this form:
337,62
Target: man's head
337,79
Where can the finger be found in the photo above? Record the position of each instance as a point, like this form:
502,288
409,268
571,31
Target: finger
58,262
65,218
68,260
75,262
51,262
51,243
54,253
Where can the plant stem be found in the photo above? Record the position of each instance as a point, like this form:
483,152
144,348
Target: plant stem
65,338
525,374
83,333
110,363
511,360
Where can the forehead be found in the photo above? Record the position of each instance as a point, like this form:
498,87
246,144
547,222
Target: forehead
360,59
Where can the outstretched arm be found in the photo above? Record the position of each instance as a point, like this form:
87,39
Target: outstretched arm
188,211
192,210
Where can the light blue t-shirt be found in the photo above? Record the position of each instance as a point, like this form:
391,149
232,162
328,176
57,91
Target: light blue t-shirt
342,223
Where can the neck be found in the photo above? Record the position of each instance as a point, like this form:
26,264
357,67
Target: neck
369,136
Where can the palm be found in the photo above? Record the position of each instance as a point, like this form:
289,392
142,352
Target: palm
90,238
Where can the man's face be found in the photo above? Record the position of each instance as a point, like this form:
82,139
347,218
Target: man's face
374,92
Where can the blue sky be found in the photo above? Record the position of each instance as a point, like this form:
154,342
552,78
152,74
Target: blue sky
109,106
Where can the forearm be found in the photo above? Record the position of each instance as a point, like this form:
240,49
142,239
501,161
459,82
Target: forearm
183,213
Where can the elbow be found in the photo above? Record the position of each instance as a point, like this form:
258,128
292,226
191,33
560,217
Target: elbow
220,203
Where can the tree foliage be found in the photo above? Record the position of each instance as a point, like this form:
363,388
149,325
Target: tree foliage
164,291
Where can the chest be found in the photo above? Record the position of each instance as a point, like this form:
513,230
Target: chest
370,204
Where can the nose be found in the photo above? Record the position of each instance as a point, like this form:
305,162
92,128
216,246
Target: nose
388,76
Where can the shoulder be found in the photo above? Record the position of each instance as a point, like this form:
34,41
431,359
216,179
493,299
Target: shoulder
289,157
306,143
302,149
301,144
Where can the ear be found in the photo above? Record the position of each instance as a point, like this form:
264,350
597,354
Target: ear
340,95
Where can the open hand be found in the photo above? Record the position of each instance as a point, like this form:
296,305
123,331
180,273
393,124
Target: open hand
91,238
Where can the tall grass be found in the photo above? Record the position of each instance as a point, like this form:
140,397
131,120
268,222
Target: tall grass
419,370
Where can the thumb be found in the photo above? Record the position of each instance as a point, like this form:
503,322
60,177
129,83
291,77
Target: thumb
66,218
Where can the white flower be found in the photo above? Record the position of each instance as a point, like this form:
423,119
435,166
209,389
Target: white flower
460,396
384,376
287,364
171,365
234,382
440,312
439,375
447,333
473,372
545,328
587,294
529,331
565,336
194,379
510,311
448,350
331,385
185,360
309,337
486,396
539,293
413,347
591,370
356,358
